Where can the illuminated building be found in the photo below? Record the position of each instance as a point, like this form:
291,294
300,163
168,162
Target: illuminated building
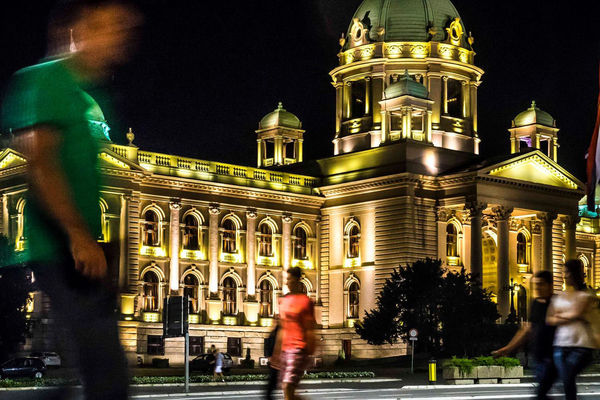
405,182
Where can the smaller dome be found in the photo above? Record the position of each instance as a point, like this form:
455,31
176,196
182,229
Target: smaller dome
280,118
533,115
97,122
406,86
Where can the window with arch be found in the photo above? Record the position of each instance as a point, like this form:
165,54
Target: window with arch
522,249
587,270
300,243
104,233
266,299
229,296
265,241
354,242
20,237
151,234
451,240
191,238
151,291
190,289
229,236
304,288
353,300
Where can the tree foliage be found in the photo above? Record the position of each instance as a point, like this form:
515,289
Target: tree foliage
452,313
15,285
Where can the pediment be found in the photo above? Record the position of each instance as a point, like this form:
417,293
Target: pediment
110,159
10,158
535,167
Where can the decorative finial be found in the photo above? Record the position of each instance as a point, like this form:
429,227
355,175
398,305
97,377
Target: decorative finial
471,39
130,137
280,106
342,40
380,32
533,105
72,47
406,74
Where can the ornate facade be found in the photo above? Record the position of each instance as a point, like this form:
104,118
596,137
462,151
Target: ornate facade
405,182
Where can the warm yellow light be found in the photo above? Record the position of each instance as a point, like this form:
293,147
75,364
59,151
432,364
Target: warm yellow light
306,264
152,251
192,254
229,320
194,319
151,316
266,322
264,260
231,257
352,262
9,159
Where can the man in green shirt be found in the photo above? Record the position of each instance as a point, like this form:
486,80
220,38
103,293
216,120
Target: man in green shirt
49,116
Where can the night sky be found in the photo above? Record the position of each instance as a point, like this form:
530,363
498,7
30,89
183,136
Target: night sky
206,72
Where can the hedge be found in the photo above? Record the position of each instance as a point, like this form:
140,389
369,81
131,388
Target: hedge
466,365
148,380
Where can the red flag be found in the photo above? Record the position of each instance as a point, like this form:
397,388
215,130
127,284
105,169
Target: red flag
593,164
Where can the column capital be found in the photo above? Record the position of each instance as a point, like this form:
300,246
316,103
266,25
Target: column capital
442,214
502,213
571,221
445,78
318,219
175,205
287,218
213,209
251,213
475,208
547,217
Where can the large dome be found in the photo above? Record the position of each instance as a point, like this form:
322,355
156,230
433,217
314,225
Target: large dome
408,20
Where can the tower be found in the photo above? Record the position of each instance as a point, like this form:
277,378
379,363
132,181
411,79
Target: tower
534,128
385,39
279,138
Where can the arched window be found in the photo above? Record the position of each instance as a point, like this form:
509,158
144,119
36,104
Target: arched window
190,233
300,243
353,242
190,289
151,285
266,299
151,229
353,300
304,288
451,241
521,249
229,296
229,236
265,241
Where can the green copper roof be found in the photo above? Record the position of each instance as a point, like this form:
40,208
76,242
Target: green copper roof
408,20
406,86
533,115
280,118
95,117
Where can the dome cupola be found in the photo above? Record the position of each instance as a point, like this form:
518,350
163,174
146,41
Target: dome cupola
280,117
534,128
279,138
533,115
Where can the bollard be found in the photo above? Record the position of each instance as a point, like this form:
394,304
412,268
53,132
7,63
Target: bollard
432,371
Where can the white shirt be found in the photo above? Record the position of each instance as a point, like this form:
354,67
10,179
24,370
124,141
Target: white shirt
575,333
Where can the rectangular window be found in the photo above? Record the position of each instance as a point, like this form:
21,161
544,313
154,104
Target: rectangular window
196,345
234,347
156,345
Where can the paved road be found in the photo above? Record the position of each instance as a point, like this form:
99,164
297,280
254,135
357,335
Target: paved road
333,391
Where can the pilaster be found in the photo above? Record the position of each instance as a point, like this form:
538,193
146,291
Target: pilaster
502,214
174,233
213,250
475,210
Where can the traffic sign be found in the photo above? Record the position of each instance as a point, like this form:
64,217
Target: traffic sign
413,333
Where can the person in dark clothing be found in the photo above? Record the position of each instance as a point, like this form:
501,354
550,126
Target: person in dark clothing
273,353
539,334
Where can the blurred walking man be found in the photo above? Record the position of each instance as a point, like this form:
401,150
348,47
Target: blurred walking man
539,334
297,318
46,110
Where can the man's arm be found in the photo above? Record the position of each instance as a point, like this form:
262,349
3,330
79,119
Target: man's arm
48,183
515,343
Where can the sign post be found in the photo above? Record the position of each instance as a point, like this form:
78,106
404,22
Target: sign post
176,324
412,336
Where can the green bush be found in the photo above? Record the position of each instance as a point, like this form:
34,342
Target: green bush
508,362
482,361
465,365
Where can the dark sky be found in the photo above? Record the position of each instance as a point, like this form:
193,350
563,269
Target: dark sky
206,72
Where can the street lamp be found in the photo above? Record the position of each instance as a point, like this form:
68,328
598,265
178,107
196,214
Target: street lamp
512,288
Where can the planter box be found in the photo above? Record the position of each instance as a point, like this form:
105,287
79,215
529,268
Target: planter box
453,373
490,372
513,373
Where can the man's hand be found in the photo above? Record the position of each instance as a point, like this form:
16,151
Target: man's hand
502,352
88,256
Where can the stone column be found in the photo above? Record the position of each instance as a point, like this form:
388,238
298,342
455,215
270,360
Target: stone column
571,222
427,117
174,233
376,94
259,156
555,149
466,104
367,96
473,98
5,216
475,209
123,243
407,123
441,217
286,247
547,220
503,279
251,252
385,126
339,107
445,78
278,151
213,250
435,89
317,256
348,100
513,145
300,155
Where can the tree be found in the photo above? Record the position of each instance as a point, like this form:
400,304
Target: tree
453,314
15,286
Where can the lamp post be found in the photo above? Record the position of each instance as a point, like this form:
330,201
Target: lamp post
512,288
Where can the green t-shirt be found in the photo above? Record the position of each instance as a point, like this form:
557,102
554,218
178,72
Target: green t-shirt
49,94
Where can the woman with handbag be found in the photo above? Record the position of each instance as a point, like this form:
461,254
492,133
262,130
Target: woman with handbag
573,314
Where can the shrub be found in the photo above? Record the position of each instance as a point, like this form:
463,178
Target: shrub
464,365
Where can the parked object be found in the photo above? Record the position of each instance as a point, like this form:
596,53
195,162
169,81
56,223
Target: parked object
205,363
482,370
23,367
51,359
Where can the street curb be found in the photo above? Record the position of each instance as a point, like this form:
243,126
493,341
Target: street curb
490,385
254,383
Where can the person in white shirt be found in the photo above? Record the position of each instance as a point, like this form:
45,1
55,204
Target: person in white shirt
218,365
573,340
